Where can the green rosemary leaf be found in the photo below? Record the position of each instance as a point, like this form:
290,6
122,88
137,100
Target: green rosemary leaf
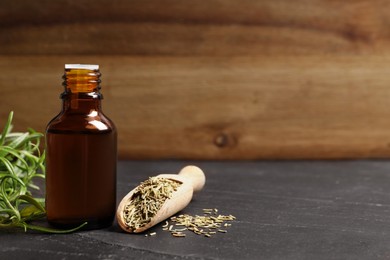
6,128
19,141
4,177
32,201
5,150
33,186
30,212
5,211
9,166
52,230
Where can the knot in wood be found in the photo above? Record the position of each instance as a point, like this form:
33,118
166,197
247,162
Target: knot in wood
221,140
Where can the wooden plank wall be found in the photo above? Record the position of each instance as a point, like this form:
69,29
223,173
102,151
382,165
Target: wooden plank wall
232,79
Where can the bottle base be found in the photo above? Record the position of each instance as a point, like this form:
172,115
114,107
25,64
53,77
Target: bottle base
91,223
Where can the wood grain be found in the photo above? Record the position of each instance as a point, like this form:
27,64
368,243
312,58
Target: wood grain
218,80
221,107
173,27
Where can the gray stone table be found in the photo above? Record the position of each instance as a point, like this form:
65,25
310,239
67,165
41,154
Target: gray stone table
284,209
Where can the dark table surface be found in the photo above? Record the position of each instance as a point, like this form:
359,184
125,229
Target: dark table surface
284,210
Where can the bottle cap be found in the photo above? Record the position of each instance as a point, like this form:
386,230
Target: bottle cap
82,66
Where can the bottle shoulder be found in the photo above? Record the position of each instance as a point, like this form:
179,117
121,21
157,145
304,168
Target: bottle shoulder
81,123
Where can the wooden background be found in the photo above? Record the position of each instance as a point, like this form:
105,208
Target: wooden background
217,79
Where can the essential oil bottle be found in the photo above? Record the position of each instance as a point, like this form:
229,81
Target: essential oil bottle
81,155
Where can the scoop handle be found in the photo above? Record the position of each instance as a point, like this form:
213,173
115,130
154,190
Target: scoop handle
194,175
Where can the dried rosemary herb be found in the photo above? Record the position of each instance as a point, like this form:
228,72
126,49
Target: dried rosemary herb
207,225
147,200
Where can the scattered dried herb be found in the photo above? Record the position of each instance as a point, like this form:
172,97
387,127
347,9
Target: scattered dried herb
147,200
207,225
151,234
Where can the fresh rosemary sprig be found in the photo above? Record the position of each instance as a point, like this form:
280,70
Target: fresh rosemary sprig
20,162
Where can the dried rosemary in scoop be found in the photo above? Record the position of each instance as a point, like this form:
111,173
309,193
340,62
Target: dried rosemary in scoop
147,200
158,198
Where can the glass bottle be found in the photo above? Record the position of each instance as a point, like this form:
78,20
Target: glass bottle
81,154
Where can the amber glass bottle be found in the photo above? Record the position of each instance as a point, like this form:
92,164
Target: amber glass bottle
81,155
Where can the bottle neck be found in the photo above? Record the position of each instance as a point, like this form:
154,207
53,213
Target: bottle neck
82,90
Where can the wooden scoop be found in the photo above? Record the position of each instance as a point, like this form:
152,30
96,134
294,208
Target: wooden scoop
192,179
